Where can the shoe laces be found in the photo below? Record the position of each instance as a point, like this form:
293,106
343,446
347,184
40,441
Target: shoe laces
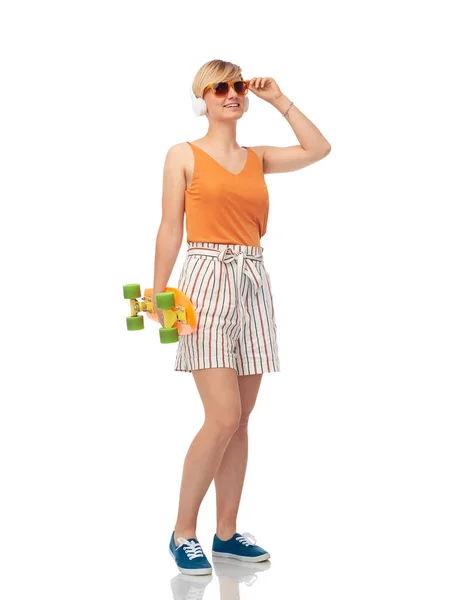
192,549
247,539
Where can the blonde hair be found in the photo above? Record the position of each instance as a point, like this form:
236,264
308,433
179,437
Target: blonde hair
214,71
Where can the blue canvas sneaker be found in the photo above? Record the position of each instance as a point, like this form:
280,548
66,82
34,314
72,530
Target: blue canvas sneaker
242,547
189,557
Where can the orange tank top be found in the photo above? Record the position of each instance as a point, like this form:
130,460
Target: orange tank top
223,207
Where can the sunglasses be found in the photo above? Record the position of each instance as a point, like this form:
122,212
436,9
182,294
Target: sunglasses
221,89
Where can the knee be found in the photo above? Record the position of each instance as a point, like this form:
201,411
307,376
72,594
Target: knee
244,421
225,425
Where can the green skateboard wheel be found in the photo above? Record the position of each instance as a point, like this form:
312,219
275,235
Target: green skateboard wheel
132,291
135,323
168,335
165,300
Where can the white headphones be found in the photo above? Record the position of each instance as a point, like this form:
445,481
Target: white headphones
199,105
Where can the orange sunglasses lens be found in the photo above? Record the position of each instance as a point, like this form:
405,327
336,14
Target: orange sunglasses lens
221,89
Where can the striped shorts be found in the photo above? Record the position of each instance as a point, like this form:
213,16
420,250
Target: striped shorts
230,290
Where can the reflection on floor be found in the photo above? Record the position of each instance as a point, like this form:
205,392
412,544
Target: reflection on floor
230,573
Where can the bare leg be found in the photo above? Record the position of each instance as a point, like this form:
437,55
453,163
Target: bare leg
229,479
219,391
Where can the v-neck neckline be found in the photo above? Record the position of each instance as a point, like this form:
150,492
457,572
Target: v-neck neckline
220,165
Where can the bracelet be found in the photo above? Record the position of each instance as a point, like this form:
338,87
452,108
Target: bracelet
288,109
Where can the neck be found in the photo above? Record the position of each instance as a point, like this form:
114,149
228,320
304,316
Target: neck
222,135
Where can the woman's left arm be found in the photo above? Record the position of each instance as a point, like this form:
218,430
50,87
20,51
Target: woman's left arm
313,145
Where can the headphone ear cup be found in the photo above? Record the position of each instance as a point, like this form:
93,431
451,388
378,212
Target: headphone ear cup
246,104
198,105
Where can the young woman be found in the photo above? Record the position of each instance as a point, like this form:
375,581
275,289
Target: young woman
221,188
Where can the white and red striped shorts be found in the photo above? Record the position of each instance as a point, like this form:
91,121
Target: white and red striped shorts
230,290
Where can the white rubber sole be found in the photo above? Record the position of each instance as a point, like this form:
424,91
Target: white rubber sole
206,571
254,559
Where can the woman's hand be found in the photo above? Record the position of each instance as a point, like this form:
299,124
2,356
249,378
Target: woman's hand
159,311
160,316
265,88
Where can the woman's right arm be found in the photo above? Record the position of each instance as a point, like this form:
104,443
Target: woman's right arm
170,233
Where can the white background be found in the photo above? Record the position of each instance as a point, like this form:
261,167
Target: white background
354,474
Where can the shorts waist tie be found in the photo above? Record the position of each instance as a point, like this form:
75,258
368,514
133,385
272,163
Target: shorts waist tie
245,266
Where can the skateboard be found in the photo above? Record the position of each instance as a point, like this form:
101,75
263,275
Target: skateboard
178,311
